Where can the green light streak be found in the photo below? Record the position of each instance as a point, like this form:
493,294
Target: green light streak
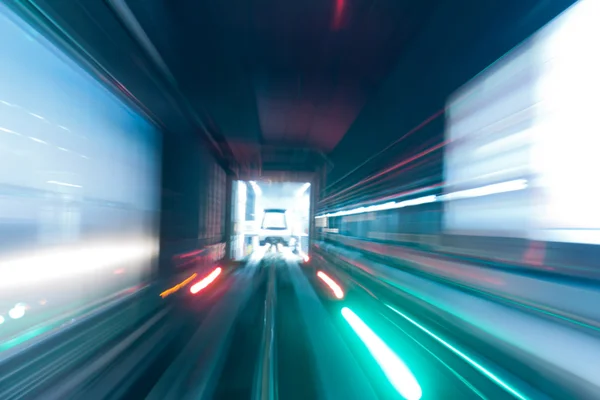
9,344
462,355
394,369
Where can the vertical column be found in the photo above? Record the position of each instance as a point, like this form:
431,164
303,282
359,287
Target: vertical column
228,228
181,194
315,190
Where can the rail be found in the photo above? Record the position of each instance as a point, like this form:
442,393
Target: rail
266,384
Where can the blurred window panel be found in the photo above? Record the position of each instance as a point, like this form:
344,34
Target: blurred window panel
79,189
523,138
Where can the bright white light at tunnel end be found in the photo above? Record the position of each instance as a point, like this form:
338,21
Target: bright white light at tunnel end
303,189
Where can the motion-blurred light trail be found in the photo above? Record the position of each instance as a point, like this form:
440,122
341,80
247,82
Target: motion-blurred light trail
511,186
304,256
63,263
175,288
394,369
206,281
9,344
462,355
335,288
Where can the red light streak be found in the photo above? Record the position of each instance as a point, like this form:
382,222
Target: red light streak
417,128
335,288
196,287
387,170
305,257
190,254
338,14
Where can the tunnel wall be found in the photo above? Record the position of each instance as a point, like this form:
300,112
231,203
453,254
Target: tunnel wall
420,228
460,40
508,212
193,205
79,186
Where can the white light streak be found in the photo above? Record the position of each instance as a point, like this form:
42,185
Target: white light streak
9,131
503,187
64,184
37,116
380,207
487,190
62,264
37,140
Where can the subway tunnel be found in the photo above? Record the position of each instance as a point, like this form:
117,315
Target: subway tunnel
366,199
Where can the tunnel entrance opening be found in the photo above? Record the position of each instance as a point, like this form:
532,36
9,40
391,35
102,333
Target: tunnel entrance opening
267,213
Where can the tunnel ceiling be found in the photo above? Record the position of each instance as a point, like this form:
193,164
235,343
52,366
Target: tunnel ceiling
251,73
280,72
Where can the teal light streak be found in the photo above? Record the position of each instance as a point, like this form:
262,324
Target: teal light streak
394,369
462,355
9,344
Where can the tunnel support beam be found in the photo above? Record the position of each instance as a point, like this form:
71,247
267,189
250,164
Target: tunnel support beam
228,216
314,198
266,384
